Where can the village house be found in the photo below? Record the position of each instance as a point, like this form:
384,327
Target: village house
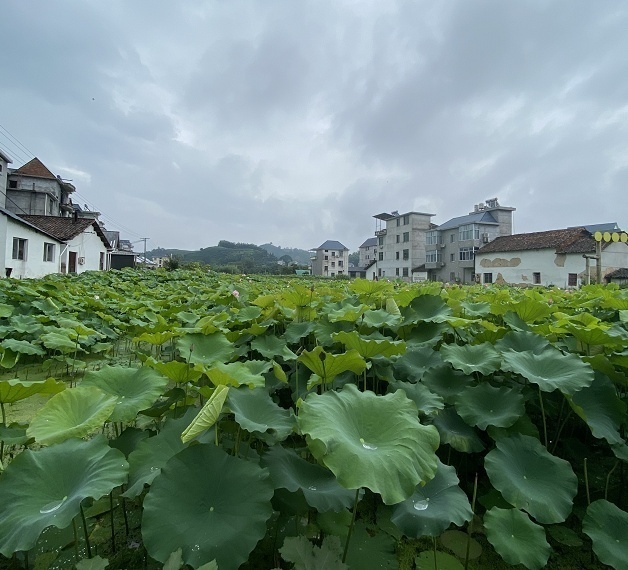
330,259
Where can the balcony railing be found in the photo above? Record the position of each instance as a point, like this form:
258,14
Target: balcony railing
380,233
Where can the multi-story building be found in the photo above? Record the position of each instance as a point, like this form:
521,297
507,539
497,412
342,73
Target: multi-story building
450,247
400,243
368,252
330,259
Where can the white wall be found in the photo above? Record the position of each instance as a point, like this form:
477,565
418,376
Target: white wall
517,267
34,265
88,246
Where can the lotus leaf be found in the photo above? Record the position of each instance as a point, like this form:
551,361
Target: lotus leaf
296,331
9,358
95,563
469,358
370,441
454,431
607,526
320,488
222,502
416,361
134,388
379,319
13,390
327,366
550,369
458,542
516,538
43,488
428,560
446,382
205,349
176,371
532,310
426,401
271,346
306,556
255,412
22,346
484,405
369,347
532,479
522,341
599,406
75,412
56,340
371,549
238,374
208,415
430,308
433,506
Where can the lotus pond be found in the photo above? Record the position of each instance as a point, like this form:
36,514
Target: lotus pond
188,419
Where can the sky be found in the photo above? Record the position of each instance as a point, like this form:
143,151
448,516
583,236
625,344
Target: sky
296,121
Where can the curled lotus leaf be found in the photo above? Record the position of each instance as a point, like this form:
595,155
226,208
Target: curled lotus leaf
370,441
456,432
607,527
532,479
14,390
45,487
327,366
221,501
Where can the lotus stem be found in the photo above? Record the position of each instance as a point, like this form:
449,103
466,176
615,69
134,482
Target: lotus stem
76,550
543,416
4,415
475,492
560,430
434,550
89,549
236,446
608,480
586,481
113,532
355,510
126,519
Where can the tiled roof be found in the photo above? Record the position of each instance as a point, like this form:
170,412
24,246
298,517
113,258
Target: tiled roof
571,240
36,168
617,274
475,218
607,227
65,229
332,244
370,242
18,219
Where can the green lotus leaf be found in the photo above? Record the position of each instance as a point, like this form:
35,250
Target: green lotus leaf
324,329
296,331
13,390
371,549
95,563
75,412
446,382
153,453
369,291
22,346
307,556
424,334
370,441
599,406
247,314
433,506
484,405
532,479
522,341
369,347
564,535
345,311
205,349
176,371
523,426
208,415
328,366
469,358
458,542
59,341
134,388
5,310
255,412
155,338
271,346
25,324
593,334
531,310
426,401
379,319
416,361
428,560
129,439
247,373
221,501
607,526
430,308
45,488
8,358
319,486
516,538
551,369
13,434
454,431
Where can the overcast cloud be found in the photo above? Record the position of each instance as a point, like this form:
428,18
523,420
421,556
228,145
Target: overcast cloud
296,121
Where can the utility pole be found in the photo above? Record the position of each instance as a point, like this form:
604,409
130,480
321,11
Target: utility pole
145,239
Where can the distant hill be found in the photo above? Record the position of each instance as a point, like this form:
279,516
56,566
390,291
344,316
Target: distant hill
299,256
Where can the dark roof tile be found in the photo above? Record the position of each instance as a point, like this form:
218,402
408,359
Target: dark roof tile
36,168
65,229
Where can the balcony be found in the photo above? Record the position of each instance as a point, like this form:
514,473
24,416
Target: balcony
380,233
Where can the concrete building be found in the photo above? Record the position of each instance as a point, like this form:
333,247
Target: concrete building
555,257
330,259
368,252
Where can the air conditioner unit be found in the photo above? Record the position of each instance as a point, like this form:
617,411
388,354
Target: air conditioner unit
441,245
81,261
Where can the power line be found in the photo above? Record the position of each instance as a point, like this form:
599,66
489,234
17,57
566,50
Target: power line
106,217
24,147
13,152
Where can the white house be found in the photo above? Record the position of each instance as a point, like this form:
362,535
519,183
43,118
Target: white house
555,257
330,259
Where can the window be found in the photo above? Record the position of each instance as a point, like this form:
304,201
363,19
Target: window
452,257
0,167
379,272
452,238
397,271
333,254
340,264
333,274
452,276
406,236
405,271
102,261
406,254
536,278
380,241
20,248
333,264
340,272
467,253
431,238
13,184
398,222
406,220
396,255
326,257
381,256
488,278
470,231
572,280
326,267
49,251
398,237
432,257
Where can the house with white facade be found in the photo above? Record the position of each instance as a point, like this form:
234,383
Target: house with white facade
563,258
330,259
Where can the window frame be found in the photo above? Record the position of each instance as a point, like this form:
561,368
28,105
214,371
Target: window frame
49,252
20,249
